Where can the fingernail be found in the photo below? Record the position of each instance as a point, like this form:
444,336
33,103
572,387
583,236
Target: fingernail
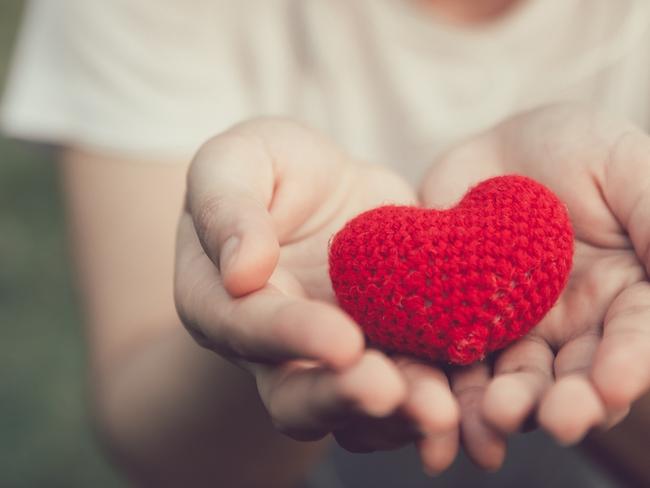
228,253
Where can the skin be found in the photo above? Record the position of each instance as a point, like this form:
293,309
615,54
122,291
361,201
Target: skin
170,412
165,406
589,359
266,302
469,12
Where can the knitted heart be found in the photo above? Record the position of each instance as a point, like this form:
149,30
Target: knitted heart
455,284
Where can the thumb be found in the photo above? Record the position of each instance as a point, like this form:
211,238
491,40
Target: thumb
238,235
459,168
230,186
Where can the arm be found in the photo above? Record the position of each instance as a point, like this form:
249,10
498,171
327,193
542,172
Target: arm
174,412
171,411
252,284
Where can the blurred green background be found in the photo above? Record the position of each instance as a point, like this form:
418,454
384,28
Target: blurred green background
45,436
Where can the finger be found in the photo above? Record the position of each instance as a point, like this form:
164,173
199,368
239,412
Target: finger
621,370
430,402
434,409
306,402
438,451
522,373
250,189
570,409
459,168
230,187
483,444
626,188
428,410
265,326
572,406
614,417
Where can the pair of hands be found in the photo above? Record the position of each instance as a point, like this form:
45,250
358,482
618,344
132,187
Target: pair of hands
252,284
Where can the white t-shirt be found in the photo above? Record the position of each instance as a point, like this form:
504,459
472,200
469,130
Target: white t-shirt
388,80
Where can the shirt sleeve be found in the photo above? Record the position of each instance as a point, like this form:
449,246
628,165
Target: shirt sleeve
152,77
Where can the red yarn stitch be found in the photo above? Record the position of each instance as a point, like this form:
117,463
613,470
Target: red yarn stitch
455,284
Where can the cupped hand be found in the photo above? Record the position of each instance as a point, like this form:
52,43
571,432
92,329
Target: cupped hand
252,284
589,358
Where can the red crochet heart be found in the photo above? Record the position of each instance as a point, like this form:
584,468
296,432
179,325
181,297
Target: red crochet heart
455,284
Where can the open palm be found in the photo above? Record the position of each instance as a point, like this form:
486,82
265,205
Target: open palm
589,358
252,284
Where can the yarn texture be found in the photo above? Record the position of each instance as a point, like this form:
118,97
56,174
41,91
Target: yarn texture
454,285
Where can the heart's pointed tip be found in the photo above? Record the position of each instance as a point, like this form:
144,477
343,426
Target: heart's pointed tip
466,358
